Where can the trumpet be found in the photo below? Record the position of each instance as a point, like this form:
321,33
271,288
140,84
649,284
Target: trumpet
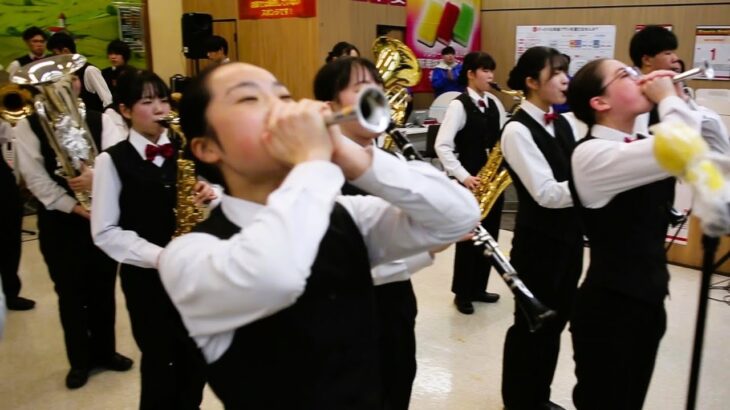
370,110
704,69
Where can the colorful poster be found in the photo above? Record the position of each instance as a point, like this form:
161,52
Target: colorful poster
388,2
131,25
275,9
581,43
432,25
712,44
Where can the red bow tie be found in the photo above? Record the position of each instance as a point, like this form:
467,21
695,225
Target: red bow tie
152,151
482,104
550,117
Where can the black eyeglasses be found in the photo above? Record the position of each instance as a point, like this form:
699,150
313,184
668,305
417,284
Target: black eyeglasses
625,71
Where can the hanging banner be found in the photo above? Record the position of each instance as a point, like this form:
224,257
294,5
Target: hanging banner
712,44
432,25
275,9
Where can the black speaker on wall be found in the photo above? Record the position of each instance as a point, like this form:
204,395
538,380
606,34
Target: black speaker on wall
196,28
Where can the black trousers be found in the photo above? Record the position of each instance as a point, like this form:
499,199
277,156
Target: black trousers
172,369
397,312
550,269
615,340
83,277
11,220
471,268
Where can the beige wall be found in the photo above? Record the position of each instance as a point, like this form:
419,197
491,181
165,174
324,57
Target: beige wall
166,37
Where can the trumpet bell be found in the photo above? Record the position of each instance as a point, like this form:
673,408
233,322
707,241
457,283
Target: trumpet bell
370,110
704,69
16,103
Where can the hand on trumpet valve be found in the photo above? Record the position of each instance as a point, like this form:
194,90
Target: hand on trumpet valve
658,85
296,132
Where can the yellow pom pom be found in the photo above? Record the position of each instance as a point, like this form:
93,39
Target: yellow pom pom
676,146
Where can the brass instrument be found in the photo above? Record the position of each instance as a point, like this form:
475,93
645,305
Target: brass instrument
399,69
61,114
187,212
370,110
517,97
16,102
705,69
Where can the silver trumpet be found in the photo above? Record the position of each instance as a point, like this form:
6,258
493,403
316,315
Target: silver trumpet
535,312
370,110
705,69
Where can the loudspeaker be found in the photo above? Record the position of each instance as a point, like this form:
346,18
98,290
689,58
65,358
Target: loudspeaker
196,28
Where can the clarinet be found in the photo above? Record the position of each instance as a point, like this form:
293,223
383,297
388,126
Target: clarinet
535,312
404,144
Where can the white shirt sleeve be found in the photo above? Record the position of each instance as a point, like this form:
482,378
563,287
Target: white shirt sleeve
110,133
6,133
220,285
528,162
445,147
13,67
94,83
414,208
122,245
32,169
401,269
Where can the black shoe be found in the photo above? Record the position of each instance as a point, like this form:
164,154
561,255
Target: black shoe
464,305
118,363
486,297
19,303
76,378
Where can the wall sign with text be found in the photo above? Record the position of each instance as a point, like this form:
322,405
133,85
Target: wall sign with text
275,9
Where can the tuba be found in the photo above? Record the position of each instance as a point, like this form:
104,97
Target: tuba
16,102
399,69
61,114
187,212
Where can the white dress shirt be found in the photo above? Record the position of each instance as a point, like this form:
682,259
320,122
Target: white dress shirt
529,163
94,83
118,121
607,165
220,285
122,245
32,168
454,121
6,132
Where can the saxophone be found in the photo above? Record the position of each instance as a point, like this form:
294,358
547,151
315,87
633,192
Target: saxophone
187,212
493,177
399,69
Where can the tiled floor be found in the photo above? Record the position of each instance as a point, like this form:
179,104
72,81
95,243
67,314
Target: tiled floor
459,356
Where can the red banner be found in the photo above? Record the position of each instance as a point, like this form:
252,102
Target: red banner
275,9
388,2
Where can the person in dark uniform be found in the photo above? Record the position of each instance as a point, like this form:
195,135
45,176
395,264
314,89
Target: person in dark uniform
547,246
94,92
625,197
471,127
11,223
35,39
133,217
276,286
338,84
118,53
83,275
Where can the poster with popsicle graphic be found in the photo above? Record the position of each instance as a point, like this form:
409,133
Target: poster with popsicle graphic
432,25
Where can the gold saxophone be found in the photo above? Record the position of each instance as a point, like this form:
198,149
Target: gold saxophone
187,212
493,177
399,69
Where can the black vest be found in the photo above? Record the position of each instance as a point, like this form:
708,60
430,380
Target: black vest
480,133
92,101
627,241
50,162
149,194
321,352
26,59
562,223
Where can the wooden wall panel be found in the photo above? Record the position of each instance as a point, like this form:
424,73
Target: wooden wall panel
498,29
289,48
365,18
219,9
334,25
